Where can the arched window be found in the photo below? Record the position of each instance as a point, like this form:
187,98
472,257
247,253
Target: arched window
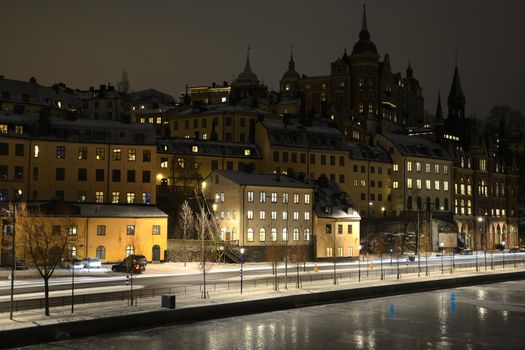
409,203
427,203
446,204
436,204
418,201
234,234
249,235
101,252
130,250
262,235
306,234
72,251
285,234
296,234
274,234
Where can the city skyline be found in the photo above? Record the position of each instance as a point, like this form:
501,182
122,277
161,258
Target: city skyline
163,35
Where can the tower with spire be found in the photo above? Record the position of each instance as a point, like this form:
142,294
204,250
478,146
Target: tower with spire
456,99
289,83
247,85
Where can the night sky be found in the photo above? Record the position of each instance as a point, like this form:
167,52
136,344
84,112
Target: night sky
167,44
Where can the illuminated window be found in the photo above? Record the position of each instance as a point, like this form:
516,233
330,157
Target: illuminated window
61,152
428,184
99,197
247,152
306,215
262,235
164,163
306,234
19,129
296,215
249,214
445,169
409,183
395,184
73,230
296,234
285,215
3,128
274,197
36,151
130,197
285,198
436,168
296,198
250,197
262,215
117,154
274,215
307,198
418,184
195,149
445,185
285,234
82,153
249,235
130,230
427,167
262,197
132,155
395,167
100,154
409,165
115,197
436,185
418,166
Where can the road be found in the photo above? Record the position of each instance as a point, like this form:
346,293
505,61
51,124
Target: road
389,266
478,317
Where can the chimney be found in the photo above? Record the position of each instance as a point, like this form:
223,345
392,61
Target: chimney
32,80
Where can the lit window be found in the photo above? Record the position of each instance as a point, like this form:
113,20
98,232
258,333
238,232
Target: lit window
306,215
262,197
250,197
132,155
115,197
36,151
99,197
427,167
306,234
445,185
285,234
164,163
418,184
130,230
409,166
100,155
117,154
3,128
307,198
285,215
445,169
262,215
436,168
296,198
19,129
274,235
285,198
249,235
395,184
427,183
262,235
274,197
274,215
250,214
247,152
130,197
195,149
73,230
395,167
436,185
409,183
295,234
296,215
418,166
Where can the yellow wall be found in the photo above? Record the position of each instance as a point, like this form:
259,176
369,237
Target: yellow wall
348,242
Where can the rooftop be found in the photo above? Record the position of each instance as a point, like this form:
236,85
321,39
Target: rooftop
259,179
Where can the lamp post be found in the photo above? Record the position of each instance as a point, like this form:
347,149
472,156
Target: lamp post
503,252
359,262
333,253
242,258
18,193
441,244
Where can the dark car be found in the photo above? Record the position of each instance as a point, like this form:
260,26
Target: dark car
514,250
137,259
465,252
21,265
127,267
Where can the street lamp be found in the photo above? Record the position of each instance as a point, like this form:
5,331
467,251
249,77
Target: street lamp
441,244
359,262
333,253
18,193
503,252
242,258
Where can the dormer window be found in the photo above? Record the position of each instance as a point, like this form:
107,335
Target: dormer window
195,149
247,152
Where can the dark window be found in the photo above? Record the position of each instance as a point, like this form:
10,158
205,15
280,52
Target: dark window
379,170
341,161
228,121
328,228
131,175
59,195
372,197
312,158
186,124
372,170
354,168
195,123
82,174
4,149
56,230
363,169
60,174
228,136
146,155
323,159
61,152
35,173
19,172
115,175
332,160
294,157
372,183
275,156
380,197
242,122
101,230
303,158
380,184
332,177
204,123
3,172
19,150
214,165
340,229
363,197
285,157
146,176
341,179
99,175
229,165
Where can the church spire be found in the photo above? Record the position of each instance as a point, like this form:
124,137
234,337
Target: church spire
364,34
410,71
291,64
247,67
456,98
438,118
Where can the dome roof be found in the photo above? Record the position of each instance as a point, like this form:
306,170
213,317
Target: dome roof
291,75
247,77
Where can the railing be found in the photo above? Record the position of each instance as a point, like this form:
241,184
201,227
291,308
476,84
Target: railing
388,271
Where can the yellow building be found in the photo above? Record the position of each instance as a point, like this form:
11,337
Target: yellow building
259,210
336,222
220,122
76,161
186,162
108,232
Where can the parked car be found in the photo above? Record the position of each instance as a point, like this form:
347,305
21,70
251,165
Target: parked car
126,267
514,250
75,263
92,263
500,246
140,260
411,258
465,252
522,249
21,265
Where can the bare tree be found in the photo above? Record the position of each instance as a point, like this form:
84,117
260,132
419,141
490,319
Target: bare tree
274,254
202,225
187,225
297,255
42,241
